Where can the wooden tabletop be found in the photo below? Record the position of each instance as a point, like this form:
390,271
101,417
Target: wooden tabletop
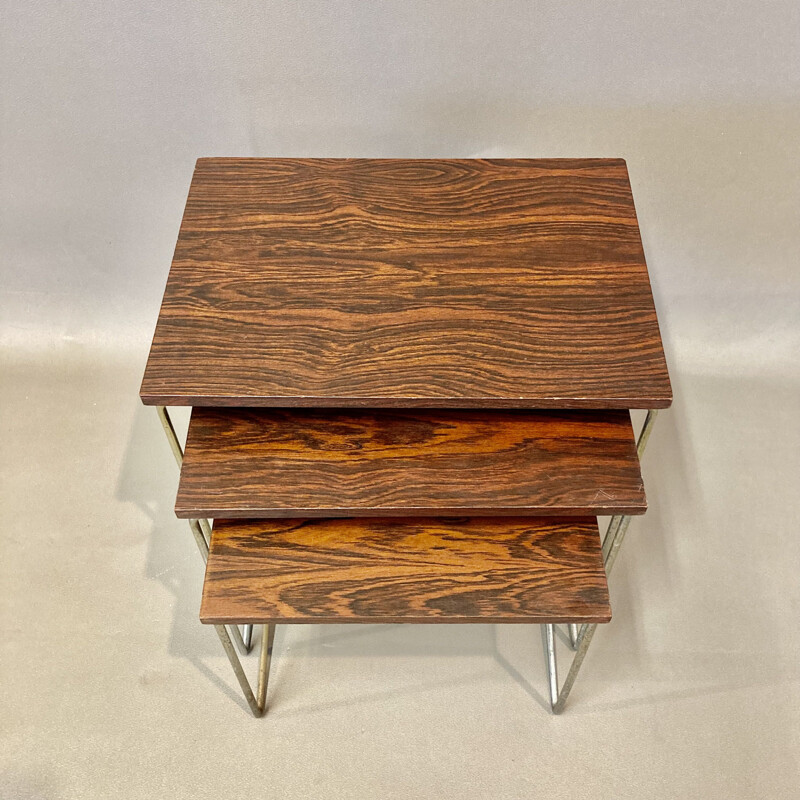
428,283
390,570
257,463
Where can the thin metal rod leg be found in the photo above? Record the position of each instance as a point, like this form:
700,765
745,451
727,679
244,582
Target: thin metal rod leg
608,539
244,649
257,706
177,451
616,521
615,534
574,633
611,532
616,544
205,526
561,696
264,661
587,631
172,437
199,538
550,661
201,528
202,546
647,429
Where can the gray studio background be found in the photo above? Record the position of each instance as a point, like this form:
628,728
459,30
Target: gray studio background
110,687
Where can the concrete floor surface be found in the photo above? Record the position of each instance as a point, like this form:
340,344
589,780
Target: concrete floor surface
112,688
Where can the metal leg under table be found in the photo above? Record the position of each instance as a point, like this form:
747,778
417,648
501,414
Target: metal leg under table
201,528
581,636
257,702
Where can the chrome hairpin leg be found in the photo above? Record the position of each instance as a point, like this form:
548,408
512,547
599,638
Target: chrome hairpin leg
257,703
201,528
202,546
615,534
574,632
172,437
550,662
247,637
611,532
647,429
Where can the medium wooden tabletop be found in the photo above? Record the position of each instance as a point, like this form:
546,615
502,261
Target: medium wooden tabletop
389,570
258,463
428,283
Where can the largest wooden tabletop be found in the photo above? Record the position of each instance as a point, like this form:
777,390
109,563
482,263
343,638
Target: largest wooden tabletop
400,283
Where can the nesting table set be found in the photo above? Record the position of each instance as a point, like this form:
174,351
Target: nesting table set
410,384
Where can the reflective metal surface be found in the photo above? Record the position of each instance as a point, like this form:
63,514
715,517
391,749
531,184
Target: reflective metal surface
615,534
201,528
550,661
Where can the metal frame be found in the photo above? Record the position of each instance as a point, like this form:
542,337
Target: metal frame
581,636
258,702
201,530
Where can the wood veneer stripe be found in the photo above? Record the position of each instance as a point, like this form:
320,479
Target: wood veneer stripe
389,570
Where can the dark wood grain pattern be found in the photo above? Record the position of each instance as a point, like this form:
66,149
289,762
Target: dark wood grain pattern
342,463
400,283
389,570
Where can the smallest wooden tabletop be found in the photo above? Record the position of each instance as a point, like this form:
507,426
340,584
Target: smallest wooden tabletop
390,570
400,283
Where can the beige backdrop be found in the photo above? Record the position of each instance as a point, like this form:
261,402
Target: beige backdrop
108,685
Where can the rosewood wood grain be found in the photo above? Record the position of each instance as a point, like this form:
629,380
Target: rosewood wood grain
389,570
408,283
340,463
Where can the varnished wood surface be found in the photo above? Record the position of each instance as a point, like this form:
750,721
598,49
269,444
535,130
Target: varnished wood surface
399,283
388,570
341,463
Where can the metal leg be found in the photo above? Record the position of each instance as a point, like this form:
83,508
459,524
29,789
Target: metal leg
172,437
201,528
611,532
550,662
199,538
202,546
615,534
586,635
574,633
247,637
205,526
561,697
258,702
647,429
264,661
